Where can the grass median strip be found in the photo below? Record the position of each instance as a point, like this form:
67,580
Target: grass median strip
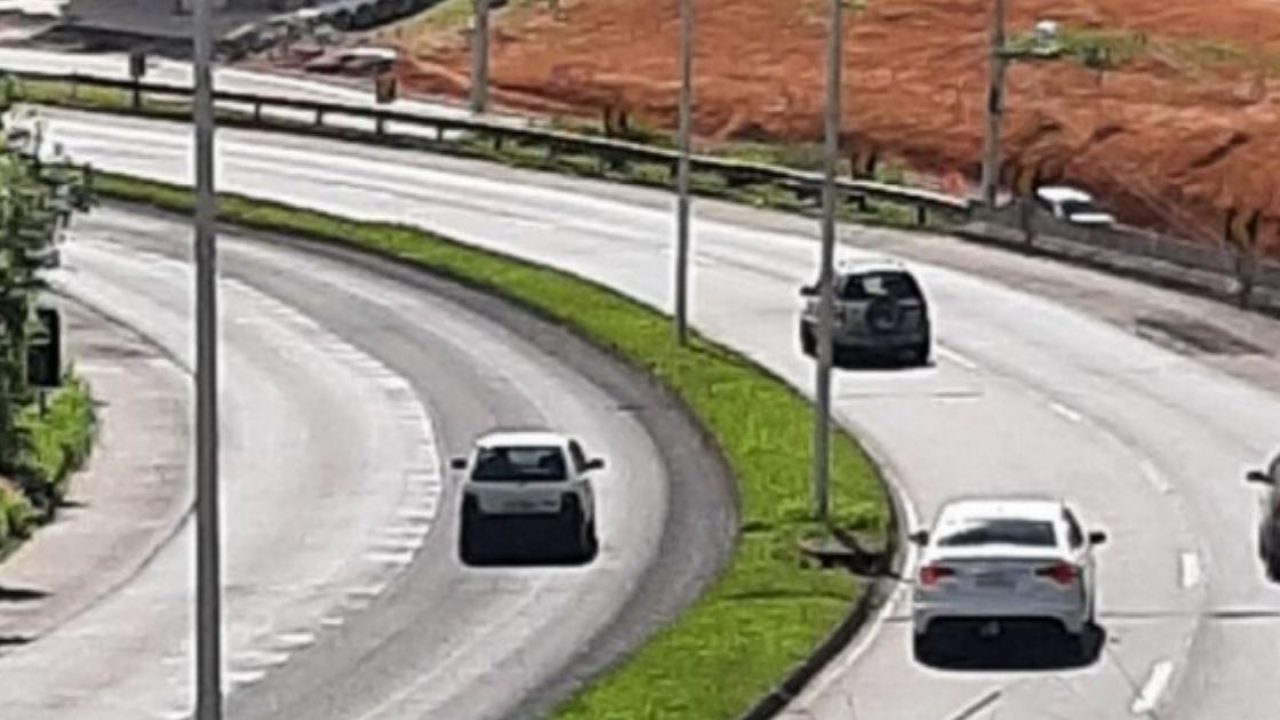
765,613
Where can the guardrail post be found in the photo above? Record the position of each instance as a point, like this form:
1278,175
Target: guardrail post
319,117
439,133
137,94
922,215
257,112
380,125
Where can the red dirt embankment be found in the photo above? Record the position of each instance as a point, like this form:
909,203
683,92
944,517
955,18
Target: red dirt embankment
1183,129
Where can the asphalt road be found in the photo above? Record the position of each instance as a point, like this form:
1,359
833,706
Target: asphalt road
1042,384
345,388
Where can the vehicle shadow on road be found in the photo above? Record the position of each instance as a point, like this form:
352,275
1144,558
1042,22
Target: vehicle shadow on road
850,363
17,594
1013,651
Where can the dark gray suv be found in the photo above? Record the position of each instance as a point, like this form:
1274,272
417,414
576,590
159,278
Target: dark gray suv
879,310
1269,525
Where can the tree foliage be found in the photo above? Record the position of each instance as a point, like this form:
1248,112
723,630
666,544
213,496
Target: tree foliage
40,190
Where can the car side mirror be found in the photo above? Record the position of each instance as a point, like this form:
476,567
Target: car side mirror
919,537
1257,476
595,464
1097,537
458,463
808,291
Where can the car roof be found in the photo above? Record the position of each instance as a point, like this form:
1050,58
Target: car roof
1059,193
1022,507
522,438
869,265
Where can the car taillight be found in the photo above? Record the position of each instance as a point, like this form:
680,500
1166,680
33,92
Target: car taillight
1062,573
931,574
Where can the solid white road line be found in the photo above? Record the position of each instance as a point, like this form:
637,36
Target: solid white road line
1161,674
1190,569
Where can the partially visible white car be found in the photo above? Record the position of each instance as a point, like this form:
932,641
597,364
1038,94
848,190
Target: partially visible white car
988,561
528,491
1074,206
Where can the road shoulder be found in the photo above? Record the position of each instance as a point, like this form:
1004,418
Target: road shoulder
129,499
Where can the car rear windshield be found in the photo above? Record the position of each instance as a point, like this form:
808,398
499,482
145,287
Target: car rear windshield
1079,207
897,285
523,464
1002,531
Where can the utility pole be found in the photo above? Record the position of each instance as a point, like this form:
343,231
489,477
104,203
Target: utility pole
822,420
998,63
480,58
208,572
682,172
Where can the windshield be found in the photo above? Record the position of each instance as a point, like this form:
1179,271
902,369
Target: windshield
525,464
897,285
1080,207
1034,533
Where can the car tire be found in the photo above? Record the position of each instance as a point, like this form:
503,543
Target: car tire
592,546
469,530
923,648
573,531
1078,644
1272,563
808,341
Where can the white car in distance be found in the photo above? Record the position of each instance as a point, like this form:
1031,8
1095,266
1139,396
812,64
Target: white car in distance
992,562
1074,206
527,493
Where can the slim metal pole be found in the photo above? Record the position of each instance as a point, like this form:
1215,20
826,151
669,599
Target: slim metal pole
995,106
682,171
208,572
480,58
822,419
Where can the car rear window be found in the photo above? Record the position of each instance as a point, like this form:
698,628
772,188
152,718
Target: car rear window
897,285
524,464
1001,531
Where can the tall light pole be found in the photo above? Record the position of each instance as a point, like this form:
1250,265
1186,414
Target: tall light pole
682,172
822,419
998,63
480,57
208,573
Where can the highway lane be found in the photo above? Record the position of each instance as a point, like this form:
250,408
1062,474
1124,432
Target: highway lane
350,91
1028,394
374,645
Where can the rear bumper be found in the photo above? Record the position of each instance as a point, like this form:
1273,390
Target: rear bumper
1071,616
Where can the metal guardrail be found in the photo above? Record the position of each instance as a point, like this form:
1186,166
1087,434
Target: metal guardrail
612,151
1258,281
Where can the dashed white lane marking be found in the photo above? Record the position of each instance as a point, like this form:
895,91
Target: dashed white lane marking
1190,569
1154,476
391,558
1155,686
261,658
401,544
1065,411
332,621
415,514
958,359
295,640
245,677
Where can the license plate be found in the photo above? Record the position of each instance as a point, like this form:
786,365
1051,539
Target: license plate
521,505
995,581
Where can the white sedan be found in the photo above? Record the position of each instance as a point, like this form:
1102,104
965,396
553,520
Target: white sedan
992,561
528,491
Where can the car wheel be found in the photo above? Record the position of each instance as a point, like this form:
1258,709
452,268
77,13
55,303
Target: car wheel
572,533
469,547
1273,568
593,542
1078,644
923,648
920,353
808,341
